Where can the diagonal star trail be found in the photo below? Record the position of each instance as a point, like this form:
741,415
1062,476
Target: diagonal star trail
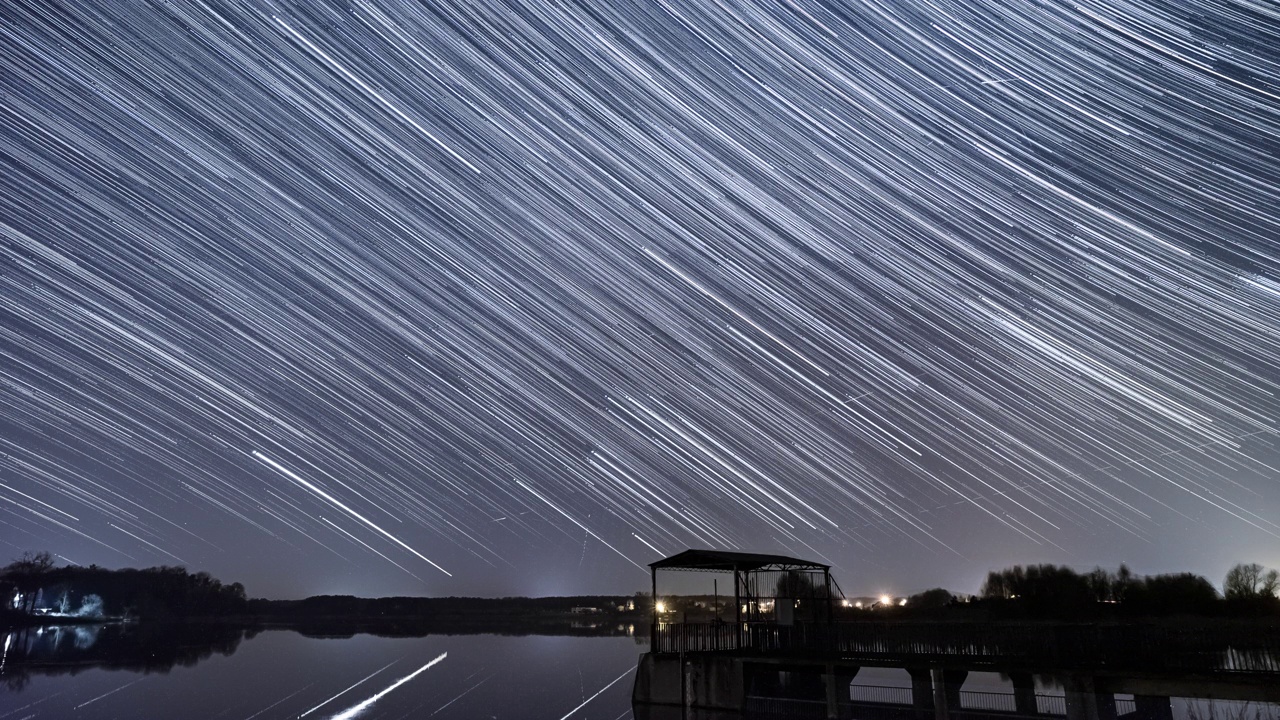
1001,279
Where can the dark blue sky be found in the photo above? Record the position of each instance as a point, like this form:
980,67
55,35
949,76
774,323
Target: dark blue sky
383,298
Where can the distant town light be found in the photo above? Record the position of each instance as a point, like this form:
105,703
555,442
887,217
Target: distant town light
858,604
662,607
902,602
886,600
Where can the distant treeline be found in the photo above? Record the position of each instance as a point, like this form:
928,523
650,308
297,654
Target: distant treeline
33,589
1053,591
344,615
32,586
1049,587
322,606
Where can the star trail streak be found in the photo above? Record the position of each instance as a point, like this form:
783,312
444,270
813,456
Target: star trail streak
306,293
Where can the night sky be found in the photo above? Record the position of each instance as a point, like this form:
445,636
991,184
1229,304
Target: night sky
514,298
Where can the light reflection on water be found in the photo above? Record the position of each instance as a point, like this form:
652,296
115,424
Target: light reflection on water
219,672
281,674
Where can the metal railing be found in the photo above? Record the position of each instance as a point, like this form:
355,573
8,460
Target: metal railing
982,700
1051,705
696,637
881,694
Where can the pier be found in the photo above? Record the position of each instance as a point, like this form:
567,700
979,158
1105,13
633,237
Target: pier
804,660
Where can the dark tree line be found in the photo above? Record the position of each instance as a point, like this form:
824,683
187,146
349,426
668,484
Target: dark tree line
358,607
1059,590
160,592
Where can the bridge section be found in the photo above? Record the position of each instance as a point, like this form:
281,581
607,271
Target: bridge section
732,668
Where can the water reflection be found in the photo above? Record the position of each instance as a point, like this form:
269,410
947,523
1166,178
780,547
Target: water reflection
219,672
72,649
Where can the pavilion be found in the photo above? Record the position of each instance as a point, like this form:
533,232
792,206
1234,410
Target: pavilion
759,581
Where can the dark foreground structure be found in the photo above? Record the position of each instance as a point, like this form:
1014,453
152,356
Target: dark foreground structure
798,662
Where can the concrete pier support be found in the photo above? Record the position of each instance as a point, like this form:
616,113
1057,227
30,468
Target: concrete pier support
658,680
946,691
1086,700
714,682
1152,707
921,692
1024,694
837,679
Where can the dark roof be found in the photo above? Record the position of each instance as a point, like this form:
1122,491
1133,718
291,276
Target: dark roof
729,561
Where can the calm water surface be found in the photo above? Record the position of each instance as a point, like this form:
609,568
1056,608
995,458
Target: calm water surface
209,672
281,674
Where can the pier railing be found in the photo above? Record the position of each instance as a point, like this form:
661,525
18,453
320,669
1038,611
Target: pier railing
1210,648
697,637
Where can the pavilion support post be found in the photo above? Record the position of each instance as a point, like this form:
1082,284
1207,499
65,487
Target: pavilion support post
737,610
826,581
653,600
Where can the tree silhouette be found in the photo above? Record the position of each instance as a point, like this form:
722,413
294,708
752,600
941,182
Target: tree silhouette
1250,580
28,574
1169,594
797,585
1042,587
935,598
1048,590
157,592
33,562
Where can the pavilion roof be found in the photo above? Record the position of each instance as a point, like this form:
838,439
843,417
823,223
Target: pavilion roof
724,560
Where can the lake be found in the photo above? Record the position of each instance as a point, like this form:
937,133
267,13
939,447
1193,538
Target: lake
207,672
282,674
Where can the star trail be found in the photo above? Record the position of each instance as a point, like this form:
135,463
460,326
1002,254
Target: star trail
510,298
